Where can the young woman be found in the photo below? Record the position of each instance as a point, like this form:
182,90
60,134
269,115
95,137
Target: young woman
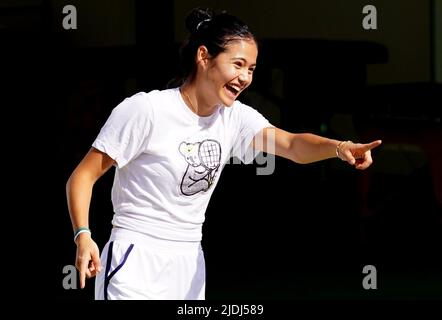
169,148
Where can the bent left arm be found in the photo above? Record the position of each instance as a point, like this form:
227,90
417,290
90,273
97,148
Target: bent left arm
307,148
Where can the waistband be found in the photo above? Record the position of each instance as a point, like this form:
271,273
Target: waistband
150,241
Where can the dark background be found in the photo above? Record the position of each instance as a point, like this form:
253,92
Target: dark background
303,233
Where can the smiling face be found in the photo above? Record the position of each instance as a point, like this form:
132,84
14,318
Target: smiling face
229,73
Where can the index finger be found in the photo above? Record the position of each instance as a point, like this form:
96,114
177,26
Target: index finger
371,145
83,267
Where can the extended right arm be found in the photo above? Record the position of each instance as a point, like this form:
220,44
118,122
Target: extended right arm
79,193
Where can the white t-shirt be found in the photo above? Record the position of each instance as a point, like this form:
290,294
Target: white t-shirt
169,160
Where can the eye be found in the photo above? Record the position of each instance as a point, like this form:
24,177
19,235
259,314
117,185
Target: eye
238,64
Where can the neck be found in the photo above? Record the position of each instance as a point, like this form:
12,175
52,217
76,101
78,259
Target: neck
195,102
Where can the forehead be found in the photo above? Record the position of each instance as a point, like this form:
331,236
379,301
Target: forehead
242,48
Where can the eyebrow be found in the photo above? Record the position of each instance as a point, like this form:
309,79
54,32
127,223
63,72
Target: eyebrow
244,60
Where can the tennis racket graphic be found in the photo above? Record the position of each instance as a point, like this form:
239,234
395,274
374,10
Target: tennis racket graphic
204,159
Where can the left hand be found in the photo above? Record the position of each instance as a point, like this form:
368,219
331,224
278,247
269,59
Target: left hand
357,154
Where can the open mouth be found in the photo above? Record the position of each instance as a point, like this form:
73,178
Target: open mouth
233,89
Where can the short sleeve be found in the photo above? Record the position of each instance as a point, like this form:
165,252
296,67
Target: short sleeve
126,132
250,123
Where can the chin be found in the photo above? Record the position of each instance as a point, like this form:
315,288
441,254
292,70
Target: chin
228,105
227,101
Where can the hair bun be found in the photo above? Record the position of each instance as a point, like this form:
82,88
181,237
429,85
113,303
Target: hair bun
196,17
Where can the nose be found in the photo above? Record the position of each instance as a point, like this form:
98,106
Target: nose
244,77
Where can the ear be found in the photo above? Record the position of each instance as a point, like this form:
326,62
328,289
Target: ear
202,55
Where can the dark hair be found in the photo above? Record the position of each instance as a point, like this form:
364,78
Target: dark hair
212,30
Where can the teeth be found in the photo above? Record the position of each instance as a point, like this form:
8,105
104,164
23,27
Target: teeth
234,88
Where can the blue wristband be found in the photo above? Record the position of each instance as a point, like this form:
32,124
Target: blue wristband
80,231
